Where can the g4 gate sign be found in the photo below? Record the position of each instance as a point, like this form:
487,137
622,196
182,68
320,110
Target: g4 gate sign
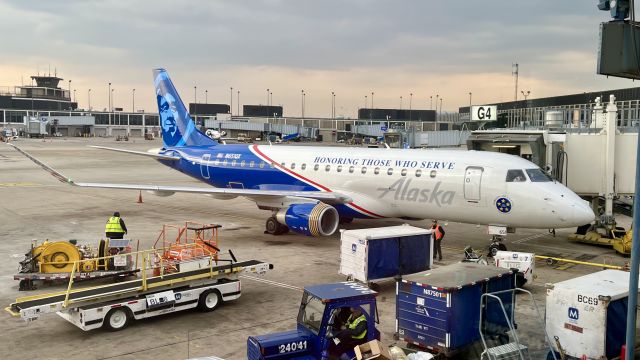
484,113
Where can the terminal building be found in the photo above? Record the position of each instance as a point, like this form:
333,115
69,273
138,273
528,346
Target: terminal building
47,102
576,109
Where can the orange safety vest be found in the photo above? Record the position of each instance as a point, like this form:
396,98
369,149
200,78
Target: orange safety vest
438,231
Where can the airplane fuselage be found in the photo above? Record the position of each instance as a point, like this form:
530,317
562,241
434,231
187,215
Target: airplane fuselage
455,185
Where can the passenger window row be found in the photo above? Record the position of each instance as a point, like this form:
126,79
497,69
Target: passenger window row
316,167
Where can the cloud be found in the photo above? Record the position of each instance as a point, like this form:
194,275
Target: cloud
350,47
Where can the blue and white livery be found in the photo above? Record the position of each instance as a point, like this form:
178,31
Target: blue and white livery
310,189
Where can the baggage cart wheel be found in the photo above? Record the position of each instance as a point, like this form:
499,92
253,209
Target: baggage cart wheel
117,319
26,285
209,300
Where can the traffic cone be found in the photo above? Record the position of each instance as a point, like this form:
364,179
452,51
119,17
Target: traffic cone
140,197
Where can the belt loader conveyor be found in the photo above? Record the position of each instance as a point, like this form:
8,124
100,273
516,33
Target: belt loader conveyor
143,297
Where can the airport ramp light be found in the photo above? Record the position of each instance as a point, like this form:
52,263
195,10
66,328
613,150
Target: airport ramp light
619,9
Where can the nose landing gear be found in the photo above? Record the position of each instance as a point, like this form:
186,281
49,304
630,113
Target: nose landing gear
496,245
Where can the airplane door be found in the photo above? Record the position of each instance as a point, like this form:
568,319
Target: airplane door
204,166
472,183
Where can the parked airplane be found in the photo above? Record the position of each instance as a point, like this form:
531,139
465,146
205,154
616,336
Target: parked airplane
310,189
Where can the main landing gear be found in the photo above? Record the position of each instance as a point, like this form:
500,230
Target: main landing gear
273,227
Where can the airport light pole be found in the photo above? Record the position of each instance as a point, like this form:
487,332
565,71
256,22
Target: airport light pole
372,99
410,104
69,94
74,95
302,101
133,100
334,105
526,108
469,105
431,102
231,102
113,99
238,112
267,97
333,98
400,102
440,106
206,96
109,94
271,101
89,97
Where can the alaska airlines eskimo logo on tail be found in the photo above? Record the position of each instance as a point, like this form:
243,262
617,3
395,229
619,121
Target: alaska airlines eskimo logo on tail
178,129
170,134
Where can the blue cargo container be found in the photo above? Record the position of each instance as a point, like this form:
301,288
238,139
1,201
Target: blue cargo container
440,309
378,253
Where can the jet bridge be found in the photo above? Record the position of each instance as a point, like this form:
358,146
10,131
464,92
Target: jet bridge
597,162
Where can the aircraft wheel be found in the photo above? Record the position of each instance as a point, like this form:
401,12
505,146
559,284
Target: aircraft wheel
493,250
272,226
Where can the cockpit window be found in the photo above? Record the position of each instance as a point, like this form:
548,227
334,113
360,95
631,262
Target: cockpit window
515,175
537,175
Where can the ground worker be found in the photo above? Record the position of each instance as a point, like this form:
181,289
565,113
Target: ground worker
355,332
115,228
438,235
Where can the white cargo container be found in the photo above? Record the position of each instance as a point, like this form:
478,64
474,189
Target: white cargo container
377,253
588,314
524,262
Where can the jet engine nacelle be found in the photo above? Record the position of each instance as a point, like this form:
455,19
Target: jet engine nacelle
317,219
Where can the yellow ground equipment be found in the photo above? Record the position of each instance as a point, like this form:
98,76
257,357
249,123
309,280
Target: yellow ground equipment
56,260
616,238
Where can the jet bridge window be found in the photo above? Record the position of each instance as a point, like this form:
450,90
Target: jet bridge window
515,175
537,175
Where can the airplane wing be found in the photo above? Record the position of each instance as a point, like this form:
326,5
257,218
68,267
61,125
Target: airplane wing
153,155
326,197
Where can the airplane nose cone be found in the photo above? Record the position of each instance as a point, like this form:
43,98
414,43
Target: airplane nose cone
582,214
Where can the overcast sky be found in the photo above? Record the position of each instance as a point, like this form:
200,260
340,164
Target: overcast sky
391,48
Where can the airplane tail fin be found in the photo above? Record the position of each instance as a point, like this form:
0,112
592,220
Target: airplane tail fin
178,129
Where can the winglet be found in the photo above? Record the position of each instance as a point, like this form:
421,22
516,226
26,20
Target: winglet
46,167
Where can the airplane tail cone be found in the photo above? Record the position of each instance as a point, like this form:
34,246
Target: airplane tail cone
140,197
